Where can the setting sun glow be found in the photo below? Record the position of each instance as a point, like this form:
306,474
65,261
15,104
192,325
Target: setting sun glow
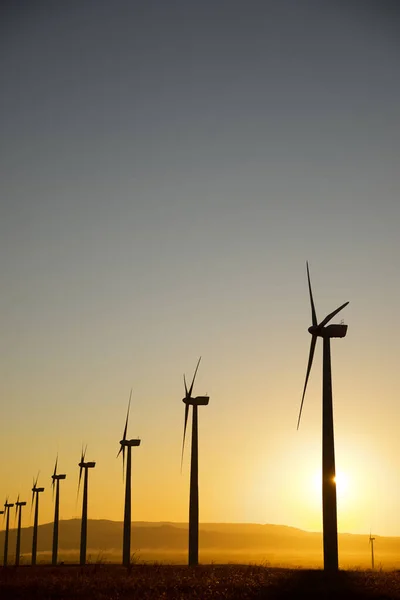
343,489
342,485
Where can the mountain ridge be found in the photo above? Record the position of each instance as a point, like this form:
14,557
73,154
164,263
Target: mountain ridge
227,542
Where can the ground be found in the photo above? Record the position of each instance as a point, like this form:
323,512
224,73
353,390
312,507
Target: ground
245,582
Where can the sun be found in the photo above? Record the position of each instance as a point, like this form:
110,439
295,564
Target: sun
342,485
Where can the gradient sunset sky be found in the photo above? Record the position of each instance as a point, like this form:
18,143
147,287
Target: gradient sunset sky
167,168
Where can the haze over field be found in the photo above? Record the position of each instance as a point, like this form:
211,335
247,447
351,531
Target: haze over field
245,543
166,170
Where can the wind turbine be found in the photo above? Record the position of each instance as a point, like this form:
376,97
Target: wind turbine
128,444
56,484
84,466
7,507
194,467
329,505
35,492
18,513
371,541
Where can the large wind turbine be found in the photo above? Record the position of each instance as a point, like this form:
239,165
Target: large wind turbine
56,484
128,444
194,468
35,492
7,507
84,466
371,541
329,505
18,513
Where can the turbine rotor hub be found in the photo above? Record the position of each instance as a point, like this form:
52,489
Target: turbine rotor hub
315,330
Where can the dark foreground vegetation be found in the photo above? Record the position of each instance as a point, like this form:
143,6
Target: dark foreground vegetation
110,582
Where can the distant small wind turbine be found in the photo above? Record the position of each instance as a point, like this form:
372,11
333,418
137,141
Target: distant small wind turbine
35,492
194,467
18,514
329,504
56,484
7,507
371,541
128,444
84,466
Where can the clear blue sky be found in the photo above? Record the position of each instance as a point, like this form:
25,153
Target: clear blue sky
166,170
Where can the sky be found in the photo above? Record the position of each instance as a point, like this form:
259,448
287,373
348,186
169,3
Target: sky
167,168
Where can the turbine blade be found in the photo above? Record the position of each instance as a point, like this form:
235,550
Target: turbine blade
194,377
313,313
122,449
331,315
55,466
310,361
79,481
80,469
127,417
184,431
184,381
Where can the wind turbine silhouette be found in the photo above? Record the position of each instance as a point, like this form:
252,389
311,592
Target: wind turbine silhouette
35,492
18,513
56,484
371,541
194,467
84,466
7,507
329,504
128,444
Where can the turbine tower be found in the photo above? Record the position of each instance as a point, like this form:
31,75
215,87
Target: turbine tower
371,541
329,505
84,466
18,513
56,485
194,467
128,444
7,507
35,492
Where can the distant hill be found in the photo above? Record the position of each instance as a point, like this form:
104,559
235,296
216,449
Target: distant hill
219,542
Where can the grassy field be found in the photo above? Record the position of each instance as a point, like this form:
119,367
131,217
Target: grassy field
111,582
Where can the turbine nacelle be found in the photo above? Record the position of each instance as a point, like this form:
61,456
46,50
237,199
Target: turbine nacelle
54,477
8,505
131,443
36,489
331,331
198,401
87,465
20,503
